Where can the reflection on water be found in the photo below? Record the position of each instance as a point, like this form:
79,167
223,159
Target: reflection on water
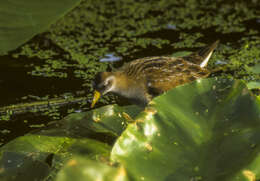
110,57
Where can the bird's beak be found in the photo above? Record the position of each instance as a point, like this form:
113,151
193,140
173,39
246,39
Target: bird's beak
95,98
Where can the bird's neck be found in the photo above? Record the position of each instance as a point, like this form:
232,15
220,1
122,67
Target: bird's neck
131,89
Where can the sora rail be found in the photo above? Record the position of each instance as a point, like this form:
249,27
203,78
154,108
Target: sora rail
142,79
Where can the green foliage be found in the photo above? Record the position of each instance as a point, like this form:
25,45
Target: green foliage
243,62
181,53
74,45
21,20
253,85
206,130
194,132
44,153
80,167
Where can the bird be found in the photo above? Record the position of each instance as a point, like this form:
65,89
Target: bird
143,79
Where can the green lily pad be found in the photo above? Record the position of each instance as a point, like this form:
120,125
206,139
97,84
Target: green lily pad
253,85
206,130
44,152
45,155
79,167
255,69
181,54
16,167
20,20
111,119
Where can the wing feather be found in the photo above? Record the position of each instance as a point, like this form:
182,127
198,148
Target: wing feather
163,73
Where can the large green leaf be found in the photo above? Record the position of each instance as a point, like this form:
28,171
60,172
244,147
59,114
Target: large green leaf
41,154
207,130
253,85
254,69
111,119
80,168
20,20
34,157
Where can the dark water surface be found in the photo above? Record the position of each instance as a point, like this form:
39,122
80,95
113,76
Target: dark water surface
61,62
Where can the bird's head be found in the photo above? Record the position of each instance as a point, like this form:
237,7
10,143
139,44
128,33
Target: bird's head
103,83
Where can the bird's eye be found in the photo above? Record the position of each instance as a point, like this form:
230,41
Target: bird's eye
108,83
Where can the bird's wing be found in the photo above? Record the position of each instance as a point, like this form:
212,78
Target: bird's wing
174,72
163,73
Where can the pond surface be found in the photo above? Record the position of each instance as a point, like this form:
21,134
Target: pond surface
58,65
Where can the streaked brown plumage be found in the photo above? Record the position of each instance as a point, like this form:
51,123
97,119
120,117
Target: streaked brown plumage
142,79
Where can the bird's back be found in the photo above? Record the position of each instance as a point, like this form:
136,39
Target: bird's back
163,73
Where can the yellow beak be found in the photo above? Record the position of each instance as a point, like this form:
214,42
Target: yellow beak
95,98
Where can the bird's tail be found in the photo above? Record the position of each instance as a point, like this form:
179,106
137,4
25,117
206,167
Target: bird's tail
202,56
